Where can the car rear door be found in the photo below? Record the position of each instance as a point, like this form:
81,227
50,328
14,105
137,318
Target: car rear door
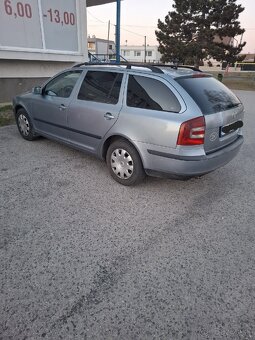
95,108
222,110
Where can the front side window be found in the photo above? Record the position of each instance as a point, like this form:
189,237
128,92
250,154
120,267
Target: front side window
151,94
101,86
62,86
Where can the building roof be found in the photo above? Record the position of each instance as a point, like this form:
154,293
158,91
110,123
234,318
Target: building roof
95,39
249,57
91,3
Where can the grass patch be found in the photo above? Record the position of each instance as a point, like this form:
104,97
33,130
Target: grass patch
239,84
6,115
238,80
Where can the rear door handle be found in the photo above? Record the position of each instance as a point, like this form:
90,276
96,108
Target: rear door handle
62,107
108,116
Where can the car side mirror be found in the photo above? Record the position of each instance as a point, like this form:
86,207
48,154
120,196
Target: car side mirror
37,90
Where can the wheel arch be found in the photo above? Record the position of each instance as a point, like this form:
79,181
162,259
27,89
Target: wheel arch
21,106
112,139
17,108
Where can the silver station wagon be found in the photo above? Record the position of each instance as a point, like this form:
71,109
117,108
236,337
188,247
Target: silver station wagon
154,120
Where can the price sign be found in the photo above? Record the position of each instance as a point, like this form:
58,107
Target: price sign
20,24
39,24
60,24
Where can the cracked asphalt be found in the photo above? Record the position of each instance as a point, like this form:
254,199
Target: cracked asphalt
82,257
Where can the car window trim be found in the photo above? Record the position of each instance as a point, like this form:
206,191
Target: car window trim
165,81
103,70
57,75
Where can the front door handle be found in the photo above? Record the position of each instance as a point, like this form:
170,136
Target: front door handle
108,116
62,107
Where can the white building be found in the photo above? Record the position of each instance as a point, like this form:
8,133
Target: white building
39,38
137,53
102,48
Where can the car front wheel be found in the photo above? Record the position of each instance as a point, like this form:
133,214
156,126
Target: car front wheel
124,163
25,125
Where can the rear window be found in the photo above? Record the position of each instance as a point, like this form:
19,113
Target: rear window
209,94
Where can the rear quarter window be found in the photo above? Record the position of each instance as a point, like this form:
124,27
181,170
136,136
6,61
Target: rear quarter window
151,94
209,94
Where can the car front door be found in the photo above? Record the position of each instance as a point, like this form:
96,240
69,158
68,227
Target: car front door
51,107
96,108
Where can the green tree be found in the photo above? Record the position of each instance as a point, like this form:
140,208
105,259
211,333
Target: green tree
200,29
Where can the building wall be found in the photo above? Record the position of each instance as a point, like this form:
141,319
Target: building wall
99,46
34,48
18,76
137,54
11,87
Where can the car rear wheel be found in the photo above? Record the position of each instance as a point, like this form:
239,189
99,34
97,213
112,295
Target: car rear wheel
25,125
124,163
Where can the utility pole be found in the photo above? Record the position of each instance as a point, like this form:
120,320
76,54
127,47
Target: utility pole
145,38
118,33
108,38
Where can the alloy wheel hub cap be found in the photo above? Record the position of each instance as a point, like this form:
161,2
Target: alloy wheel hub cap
122,163
23,125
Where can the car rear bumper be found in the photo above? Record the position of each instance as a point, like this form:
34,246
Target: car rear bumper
161,162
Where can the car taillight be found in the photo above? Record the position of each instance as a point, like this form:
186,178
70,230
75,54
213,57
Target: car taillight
192,132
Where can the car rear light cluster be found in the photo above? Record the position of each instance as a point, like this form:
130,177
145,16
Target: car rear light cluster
192,132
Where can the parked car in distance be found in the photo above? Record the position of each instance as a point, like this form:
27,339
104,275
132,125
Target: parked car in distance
154,120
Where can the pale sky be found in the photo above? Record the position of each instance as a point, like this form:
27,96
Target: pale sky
139,18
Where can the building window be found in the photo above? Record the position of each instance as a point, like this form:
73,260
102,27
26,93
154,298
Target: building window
149,53
91,45
137,53
110,47
126,53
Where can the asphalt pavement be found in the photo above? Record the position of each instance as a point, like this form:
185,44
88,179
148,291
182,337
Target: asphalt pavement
82,257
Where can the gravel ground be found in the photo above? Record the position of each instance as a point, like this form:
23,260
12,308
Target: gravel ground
83,257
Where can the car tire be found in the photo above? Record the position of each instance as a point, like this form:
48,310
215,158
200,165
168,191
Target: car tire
25,125
124,163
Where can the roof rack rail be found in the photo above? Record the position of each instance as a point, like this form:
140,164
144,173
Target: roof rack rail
81,64
178,66
149,66
156,68
128,66
99,63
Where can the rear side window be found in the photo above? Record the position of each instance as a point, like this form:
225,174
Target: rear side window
209,94
151,94
101,87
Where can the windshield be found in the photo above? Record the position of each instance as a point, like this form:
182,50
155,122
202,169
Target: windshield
209,94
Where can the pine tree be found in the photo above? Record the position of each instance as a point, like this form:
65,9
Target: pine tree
199,29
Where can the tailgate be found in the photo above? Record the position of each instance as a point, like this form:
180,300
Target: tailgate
223,128
222,110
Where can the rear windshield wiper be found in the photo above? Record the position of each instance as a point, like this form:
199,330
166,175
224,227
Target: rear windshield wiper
230,106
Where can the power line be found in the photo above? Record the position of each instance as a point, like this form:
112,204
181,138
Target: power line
140,35
96,17
153,27
121,27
